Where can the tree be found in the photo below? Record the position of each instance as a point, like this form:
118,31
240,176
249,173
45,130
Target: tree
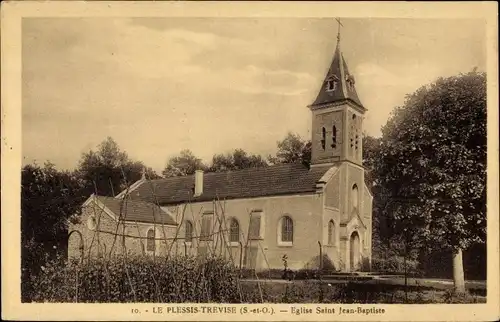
292,149
381,235
185,163
371,151
432,166
109,170
49,198
238,160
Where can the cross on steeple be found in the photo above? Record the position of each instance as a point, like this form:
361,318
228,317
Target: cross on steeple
340,25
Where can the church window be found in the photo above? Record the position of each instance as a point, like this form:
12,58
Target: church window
188,234
92,223
355,198
353,135
255,229
331,85
331,233
151,240
234,230
323,139
334,137
286,227
206,227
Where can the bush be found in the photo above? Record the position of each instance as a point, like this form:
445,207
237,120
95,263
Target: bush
138,279
395,265
452,297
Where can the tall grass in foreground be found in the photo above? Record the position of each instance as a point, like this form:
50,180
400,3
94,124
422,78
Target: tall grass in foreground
200,280
136,279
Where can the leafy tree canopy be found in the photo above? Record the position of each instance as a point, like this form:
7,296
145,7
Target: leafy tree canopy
292,149
184,164
109,170
432,163
371,150
48,199
237,160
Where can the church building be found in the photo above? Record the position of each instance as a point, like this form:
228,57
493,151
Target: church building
316,215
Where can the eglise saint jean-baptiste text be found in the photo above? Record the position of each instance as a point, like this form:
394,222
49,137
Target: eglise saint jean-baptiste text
245,310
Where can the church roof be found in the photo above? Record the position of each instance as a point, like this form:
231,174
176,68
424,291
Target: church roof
339,83
274,180
137,210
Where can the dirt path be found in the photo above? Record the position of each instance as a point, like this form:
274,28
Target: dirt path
425,282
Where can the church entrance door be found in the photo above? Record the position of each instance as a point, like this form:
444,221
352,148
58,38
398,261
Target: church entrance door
354,254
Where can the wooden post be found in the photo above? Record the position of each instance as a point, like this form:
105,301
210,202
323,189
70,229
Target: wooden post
76,286
320,272
241,253
245,259
320,256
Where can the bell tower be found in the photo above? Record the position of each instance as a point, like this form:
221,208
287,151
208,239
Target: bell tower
337,116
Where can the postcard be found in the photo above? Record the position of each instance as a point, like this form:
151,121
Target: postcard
233,161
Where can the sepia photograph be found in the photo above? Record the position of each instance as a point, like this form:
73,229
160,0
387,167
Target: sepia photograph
254,160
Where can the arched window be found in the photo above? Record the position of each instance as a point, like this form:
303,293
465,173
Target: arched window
91,223
151,241
76,243
331,233
355,197
323,138
188,234
234,230
334,137
331,85
286,229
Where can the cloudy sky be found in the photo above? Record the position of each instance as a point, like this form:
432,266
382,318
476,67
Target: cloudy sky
159,85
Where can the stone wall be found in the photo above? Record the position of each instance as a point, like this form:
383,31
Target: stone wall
106,236
327,119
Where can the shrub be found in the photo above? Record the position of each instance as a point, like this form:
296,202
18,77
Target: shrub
452,297
395,265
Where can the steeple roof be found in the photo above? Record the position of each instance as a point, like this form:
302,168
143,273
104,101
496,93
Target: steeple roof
339,84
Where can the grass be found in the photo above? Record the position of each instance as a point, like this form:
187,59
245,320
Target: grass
209,279
352,292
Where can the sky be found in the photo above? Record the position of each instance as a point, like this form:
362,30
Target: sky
211,85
